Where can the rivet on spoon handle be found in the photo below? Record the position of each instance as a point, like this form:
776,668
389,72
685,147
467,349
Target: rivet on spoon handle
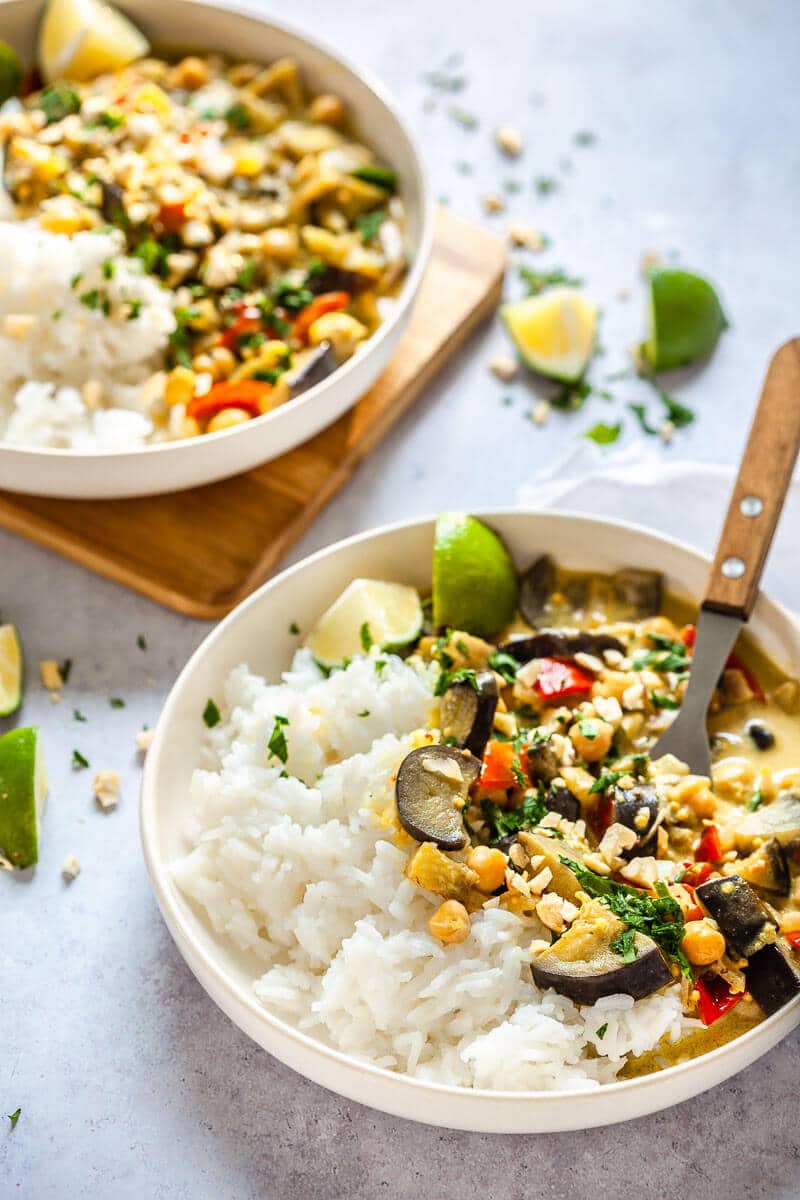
760,489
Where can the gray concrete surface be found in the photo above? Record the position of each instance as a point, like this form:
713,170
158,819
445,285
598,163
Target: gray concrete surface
131,1082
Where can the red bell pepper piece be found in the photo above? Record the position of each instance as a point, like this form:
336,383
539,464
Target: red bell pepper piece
502,763
696,913
697,873
249,319
794,940
247,394
327,302
708,849
716,998
172,216
558,679
688,636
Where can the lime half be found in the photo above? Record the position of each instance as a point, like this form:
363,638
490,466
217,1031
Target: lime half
554,333
368,613
23,788
686,319
10,670
79,39
474,579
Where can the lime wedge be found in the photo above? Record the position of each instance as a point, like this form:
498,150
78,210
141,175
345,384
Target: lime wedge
23,787
554,333
474,579
368,613
10,72
686,319
79,39
10,670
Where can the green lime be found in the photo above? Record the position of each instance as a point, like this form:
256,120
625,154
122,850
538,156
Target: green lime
686,319
23,787
368,613
10,670
10,72
474,579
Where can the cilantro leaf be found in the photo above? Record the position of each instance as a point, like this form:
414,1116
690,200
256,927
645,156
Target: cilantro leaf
537,281
369,223
624,945
79,761
605,781
601,1033
366,638
14,1117
211,714
448,678
277,742
602,434
504,664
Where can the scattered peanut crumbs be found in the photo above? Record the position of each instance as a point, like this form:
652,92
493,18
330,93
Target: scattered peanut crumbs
144,739
51,675
509,140
526,236
71,868
493,203
106,789
504,367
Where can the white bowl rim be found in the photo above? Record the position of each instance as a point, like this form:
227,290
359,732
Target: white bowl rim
408,292
162,885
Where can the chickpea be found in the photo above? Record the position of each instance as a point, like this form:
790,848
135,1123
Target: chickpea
328,109
226,418
450,923
223,363
702,943
489,864
592,738
190,73
179,387
341,330
281,244
203,364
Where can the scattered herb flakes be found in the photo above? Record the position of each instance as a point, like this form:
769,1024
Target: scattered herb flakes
141,641
506,401
755,801
65,669
512,186
211,714
537,281
380,663
79,761
116,702
366,638
675,412
462,117
585,137
134,309
59,101
606,781
445,81
504,821
369,223
57,314
504,665
363,713
640,412
659,700
238,116
545,185
571,396
248,274
624,945
448,678
14,1117
276,745
589,728
77,715
602,434
294,628
601,1032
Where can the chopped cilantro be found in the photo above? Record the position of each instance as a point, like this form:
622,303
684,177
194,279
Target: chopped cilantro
369,223
606,781
211,714
601,1033
640,412
134,310
292,296
79,761
153,256
277,742
380,663
504,821
571,396
14,1117
366,638
92,299
659,700
504,664
674,411
755,801
248,274
57,314
602,434
588,728
294,628
238,116
382,177
59,101
466,120
545,184
585,137
660,916
141,641
624,945
537,281
65,669
77,715
116,702
364,713
448,678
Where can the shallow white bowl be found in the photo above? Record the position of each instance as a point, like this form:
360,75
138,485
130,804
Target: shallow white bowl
257,632
171,466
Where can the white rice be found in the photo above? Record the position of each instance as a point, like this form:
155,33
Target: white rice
296,868
44,363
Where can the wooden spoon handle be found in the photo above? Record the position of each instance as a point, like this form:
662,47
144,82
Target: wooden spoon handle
760,489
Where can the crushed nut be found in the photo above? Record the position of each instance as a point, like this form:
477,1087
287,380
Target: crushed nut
144,739
504,367
493,203
106,789
50,674
527,237
509,140
70,868
540,412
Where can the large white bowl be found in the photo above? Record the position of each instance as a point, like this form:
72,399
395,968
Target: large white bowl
257,633
171,466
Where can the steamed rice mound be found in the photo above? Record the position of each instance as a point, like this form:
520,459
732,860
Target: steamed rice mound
302,867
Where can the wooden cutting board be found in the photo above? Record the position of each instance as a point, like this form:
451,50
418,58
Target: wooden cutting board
202,551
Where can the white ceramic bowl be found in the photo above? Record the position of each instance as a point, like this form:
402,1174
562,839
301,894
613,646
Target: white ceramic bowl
171,466
257,633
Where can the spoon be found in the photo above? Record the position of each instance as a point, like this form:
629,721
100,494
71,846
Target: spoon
732,588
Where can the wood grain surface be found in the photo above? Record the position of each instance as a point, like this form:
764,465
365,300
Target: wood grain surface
202,551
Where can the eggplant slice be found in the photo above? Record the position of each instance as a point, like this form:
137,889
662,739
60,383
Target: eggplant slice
552,643
638,809
582,965
779,819
536,588
767,868
772,978
640,591
431,793
559,799
744,922
467,712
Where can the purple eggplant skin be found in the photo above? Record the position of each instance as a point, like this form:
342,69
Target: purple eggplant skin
536,587
605,974
552,643
772,979
629,804
318,366
336,279
767,868
560,799
640,590
467,712
743,920
429,803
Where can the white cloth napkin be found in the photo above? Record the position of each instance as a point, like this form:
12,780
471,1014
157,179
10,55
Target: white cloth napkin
683,499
